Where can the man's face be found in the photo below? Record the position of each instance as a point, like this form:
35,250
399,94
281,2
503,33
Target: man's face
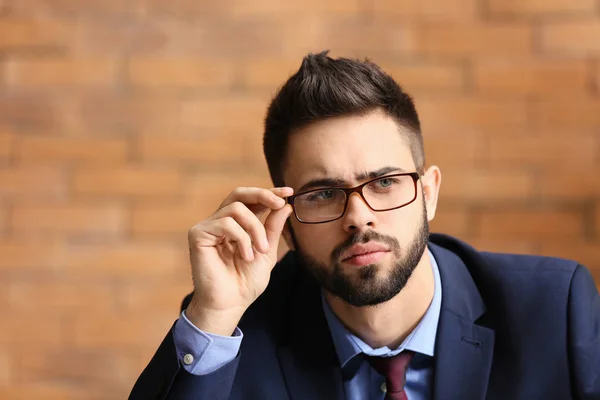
342,149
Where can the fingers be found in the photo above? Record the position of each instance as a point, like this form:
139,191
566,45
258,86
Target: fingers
248,221
274,226
212,232
272,199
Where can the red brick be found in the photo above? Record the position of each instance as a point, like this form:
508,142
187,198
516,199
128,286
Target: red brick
242,10
6,368
36,391
127,181
374,40
132,259
539,7
491,39
572,114
597,219
39,254
61,72
224,113
530,224
180,72
37,183
204,194
503,245
171,219
3,220
553,150
568,183
573,36
167,113
452,116
6,143
61,390
410,9
441,151
487,185
214,188
270,72
526,77
69,218
584,252
93,8
451,221
114,368
32,32
32,112
62,297
268,8
87,150
421,77
17,329
596,78
226,148
131,113
125,329
158,296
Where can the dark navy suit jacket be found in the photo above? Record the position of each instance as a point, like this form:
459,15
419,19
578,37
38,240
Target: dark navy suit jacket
511,327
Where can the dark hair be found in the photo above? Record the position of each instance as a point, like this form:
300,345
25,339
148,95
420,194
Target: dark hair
325,87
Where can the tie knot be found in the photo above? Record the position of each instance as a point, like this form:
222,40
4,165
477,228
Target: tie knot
393,368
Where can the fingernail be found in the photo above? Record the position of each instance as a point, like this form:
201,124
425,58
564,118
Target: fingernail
265,244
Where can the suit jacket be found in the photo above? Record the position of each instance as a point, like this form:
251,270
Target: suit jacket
511,327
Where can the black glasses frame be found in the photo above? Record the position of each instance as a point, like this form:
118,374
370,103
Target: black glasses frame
356,189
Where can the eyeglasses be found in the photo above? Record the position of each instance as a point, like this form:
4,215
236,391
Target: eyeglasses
381,194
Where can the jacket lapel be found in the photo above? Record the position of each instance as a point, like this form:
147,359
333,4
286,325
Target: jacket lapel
464,349
308,361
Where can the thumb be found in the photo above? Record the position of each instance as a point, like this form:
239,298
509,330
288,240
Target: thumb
274,226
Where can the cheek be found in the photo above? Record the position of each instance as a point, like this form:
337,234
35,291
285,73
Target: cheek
405,221
318,241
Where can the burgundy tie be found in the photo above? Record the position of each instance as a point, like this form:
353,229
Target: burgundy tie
394,369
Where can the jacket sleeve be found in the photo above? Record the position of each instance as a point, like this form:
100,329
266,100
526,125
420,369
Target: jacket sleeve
164,378
584,335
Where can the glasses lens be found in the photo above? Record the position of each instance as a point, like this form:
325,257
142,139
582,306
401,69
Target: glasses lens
382,194
320,205
390,192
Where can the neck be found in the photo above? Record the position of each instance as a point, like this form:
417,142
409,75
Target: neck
388,324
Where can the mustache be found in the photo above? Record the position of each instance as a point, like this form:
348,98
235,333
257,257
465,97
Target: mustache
362,238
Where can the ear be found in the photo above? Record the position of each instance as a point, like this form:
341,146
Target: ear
431,181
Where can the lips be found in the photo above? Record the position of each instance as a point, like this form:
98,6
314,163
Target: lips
364,251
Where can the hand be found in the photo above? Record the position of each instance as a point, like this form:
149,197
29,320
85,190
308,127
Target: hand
232,253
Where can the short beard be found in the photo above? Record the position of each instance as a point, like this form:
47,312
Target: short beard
366,289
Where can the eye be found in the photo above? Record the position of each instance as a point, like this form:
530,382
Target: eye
385,182
321,195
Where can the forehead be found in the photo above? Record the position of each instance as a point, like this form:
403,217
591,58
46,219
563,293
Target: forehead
344,147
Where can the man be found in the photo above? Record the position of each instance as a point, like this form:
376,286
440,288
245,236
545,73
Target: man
367,305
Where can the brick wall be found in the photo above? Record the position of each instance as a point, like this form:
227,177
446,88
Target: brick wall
123,123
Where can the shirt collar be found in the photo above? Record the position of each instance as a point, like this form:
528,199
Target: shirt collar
420,340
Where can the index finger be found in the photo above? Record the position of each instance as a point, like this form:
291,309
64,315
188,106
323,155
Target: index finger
270,198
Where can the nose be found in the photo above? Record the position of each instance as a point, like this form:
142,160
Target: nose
358,214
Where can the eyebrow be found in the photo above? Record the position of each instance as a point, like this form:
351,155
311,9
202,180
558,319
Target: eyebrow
338,182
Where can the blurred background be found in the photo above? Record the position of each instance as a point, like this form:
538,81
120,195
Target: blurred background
124,123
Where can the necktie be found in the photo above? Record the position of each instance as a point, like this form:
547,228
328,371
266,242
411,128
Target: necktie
394,369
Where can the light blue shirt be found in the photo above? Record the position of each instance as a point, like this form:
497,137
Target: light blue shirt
210,352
